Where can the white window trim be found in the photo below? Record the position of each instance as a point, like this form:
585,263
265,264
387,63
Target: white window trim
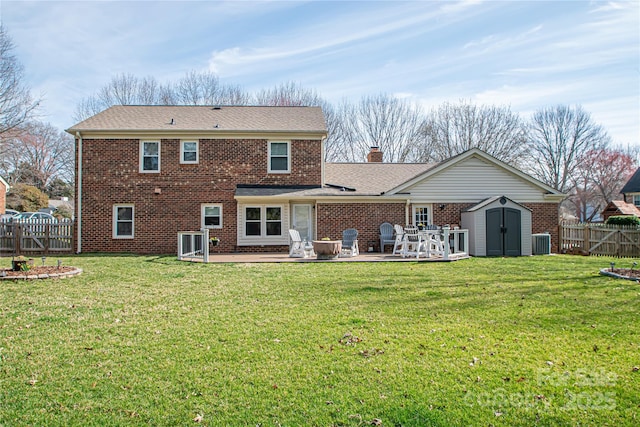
142,156
210,205
189,162
115,221
288,157
429,207
263,221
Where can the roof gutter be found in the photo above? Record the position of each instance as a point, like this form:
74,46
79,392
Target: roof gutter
79,195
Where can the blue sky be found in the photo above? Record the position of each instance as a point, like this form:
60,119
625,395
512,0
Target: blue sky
526,54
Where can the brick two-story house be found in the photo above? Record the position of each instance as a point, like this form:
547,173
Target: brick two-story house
144,173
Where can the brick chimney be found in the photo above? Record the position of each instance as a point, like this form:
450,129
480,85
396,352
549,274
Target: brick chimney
374,156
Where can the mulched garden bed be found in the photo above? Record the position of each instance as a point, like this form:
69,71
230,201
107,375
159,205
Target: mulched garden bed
42,272
622,273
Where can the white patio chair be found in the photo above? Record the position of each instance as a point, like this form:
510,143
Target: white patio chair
349,243
435,244
296,249
386,235
414,242
398,244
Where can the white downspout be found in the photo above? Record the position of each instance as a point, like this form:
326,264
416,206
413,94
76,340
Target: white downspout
79,195
407,212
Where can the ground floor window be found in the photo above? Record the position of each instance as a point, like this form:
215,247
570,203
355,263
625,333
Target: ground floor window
422,215
123,222
263,221
211,216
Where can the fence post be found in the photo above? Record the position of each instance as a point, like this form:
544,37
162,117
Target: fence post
47,237
17,235
445,233
587,239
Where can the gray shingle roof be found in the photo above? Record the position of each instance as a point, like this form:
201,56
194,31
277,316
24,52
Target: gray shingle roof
372,178
633,185
123,118
345,180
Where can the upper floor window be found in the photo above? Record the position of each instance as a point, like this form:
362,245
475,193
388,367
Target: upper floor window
189,152
149,156
279,157
212,216
123,222
636,199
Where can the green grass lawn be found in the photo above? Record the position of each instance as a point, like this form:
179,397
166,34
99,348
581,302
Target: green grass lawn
153,341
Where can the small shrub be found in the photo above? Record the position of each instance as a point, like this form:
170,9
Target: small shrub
623,220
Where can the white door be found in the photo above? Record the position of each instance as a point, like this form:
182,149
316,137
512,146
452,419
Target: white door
303,221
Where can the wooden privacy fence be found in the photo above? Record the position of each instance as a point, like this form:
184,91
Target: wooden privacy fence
26,237
600,239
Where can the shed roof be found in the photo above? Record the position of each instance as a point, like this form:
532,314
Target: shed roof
622,207
128,118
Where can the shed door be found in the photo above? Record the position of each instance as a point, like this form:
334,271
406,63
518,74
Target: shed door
503,232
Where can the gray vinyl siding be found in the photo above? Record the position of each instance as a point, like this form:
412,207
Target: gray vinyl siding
474,179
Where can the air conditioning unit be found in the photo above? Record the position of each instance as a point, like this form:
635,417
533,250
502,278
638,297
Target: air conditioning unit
541,244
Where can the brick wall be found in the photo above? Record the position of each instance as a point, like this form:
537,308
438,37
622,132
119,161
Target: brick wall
366,218
544,219
111,176
334,218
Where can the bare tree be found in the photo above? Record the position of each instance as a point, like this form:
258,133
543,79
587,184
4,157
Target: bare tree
452,129
293,94
288,94
123,89
38,154
16,104
193,89
149,91
391,124
598,179
559,137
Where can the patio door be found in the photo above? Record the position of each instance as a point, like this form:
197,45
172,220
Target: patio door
303,220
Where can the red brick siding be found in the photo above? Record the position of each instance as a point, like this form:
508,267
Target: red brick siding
334,218
544,219
111,176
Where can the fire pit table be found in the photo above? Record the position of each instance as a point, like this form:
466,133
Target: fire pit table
327,249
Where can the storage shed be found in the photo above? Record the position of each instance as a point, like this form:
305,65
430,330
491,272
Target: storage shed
498,226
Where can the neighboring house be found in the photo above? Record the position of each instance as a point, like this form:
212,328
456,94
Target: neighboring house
631,190
4,189
144,173
618,207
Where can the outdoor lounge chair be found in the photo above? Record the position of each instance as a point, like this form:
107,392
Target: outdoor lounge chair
296,249
414,243
398,244
386,235
435,244
349,243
